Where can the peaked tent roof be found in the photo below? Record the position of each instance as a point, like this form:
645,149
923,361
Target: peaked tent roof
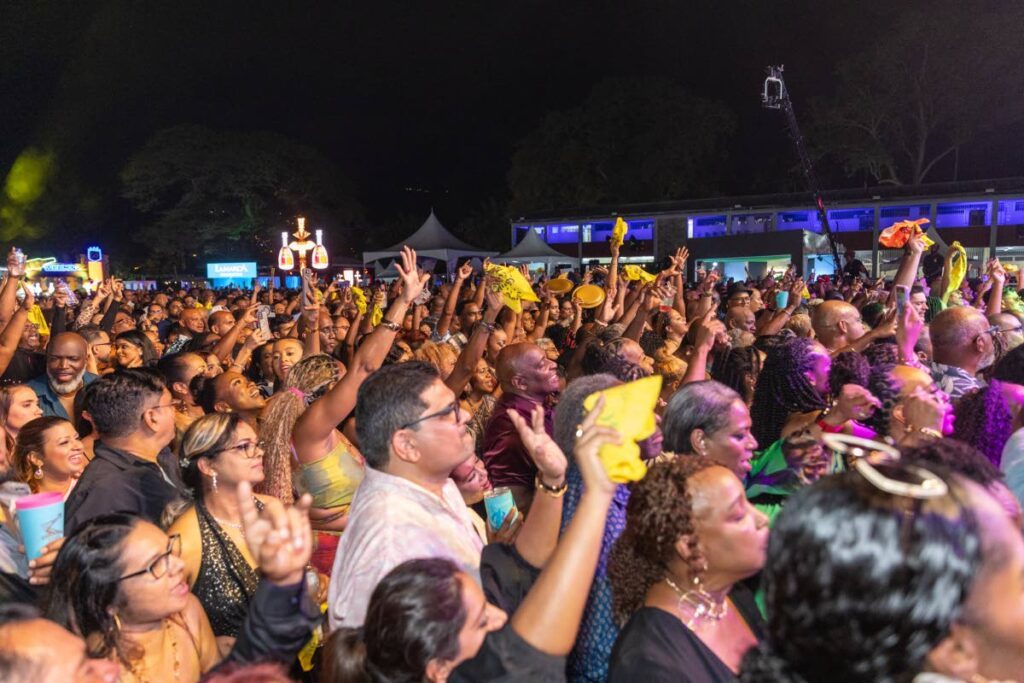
532,247
433,240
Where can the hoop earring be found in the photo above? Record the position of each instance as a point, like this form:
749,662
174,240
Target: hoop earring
117,623
38,474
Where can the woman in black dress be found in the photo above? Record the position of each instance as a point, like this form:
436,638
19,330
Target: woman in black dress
691,536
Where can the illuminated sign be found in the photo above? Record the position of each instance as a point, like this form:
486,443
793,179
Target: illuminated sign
229,270
94,254
62,267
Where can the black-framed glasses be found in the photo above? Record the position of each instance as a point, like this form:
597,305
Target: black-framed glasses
452,408
158,567
251,449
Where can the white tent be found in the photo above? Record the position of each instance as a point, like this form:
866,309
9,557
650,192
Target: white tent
532,249
432,240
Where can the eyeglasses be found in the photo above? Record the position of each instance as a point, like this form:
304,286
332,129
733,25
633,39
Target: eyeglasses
158,568
251,449
453,408
995,329
175,403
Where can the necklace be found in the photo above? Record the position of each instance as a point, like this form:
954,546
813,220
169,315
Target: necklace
223,522
703,604
174,648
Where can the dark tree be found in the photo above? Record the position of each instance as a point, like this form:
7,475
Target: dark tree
632,140
926,87
211,194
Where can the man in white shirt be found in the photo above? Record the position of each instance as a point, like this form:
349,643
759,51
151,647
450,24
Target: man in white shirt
413,435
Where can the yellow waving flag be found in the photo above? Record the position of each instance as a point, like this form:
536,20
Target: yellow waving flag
510,282
35,316
632,272
359,297
629,409
619,232
377,315
957,271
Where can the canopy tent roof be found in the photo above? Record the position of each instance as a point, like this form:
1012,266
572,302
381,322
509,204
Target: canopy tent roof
532,249
431,240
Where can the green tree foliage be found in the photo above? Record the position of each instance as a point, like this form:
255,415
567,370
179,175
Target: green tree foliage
921,91
632,140
228,195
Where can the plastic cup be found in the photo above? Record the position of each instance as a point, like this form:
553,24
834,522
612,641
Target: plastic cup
497,503
41,521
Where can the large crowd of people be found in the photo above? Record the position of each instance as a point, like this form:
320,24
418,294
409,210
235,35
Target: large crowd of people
410,480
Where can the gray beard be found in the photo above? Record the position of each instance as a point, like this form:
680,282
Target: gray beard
65,388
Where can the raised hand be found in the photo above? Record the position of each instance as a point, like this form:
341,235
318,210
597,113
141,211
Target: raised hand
30,299
854,403
280,538
590,436
15,268
412,280
464,272
545,453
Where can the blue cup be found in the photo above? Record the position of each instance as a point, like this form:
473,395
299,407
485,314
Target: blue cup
40,520
498,502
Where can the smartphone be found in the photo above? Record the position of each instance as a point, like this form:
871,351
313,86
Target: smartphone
263,320
306,298
781,300
902,297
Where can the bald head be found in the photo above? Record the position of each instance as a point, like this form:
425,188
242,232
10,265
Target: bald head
193,319
954,327
511,361
221,322
836,324
524,369
740,318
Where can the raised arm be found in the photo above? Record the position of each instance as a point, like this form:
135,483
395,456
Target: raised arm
315,425
11,335
710,327
473,351
549,617
781,317
226,345
907,271
8,295
443,325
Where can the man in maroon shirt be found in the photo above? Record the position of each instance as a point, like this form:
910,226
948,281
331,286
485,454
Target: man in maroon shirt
527,379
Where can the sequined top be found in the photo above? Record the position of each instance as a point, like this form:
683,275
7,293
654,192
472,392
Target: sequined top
225,583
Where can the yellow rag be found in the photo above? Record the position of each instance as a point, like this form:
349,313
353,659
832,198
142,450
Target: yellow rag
629,409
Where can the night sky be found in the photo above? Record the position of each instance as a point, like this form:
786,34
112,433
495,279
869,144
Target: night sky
431,96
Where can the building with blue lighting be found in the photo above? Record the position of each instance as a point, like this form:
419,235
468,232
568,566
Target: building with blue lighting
754,233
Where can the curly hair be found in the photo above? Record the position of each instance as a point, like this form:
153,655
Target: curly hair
984,420
783,388
955,456
1010,367
848,367
734,366
310,378
882,353
659,512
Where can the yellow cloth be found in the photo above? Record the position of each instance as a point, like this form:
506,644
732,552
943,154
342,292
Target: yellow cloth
631,273
35,316
629,409
511,283
333,479
957,271
619,232
360,300
376,316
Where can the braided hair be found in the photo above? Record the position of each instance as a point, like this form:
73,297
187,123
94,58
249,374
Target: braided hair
886,389
783,388
848,367
734,366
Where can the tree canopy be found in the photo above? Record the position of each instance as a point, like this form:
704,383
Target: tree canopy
631,140
906,105
209,194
